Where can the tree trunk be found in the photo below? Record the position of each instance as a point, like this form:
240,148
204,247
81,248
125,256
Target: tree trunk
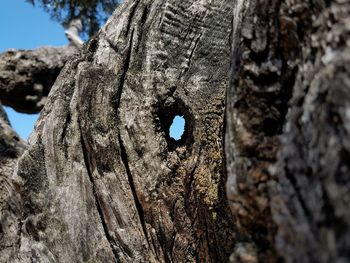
294,210
103,181
261,84
310,203
11,148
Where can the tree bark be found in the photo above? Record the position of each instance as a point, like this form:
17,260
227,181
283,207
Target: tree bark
26,76
264,52
11,148
310,203
103,180
294,210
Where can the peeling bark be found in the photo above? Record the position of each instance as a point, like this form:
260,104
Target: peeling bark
26,76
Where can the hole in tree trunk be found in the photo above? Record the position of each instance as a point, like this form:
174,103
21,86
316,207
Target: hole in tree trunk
175,122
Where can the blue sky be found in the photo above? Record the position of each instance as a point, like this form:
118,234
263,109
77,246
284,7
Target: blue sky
23,26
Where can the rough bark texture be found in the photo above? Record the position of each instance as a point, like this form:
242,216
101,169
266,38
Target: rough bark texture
262,74
297,210
26,76
310,200
11,148
102,180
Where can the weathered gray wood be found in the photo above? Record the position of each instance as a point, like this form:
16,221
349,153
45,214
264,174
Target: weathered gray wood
102,180
26,76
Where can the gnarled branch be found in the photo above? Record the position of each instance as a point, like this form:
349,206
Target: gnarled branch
26,76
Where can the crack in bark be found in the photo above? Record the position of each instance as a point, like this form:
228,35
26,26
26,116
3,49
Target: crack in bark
125,69
98,206
154,245
298,195
163,241
65,126
172,245
193,49
143,20
191,55
130,18
139,208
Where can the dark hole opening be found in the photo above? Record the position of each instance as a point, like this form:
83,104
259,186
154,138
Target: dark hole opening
176,122
271,127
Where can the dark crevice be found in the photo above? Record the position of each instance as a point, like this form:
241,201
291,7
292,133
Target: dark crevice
98,206
297,189
65,126
192,52
261,56
155,247
131,16
144,16
189,187
272,126
263,80
138,205
112,46
92,46
143,20
19,233
341,176
172,245
163,243
122,77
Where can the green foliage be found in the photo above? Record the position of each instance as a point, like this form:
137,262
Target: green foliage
92,13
